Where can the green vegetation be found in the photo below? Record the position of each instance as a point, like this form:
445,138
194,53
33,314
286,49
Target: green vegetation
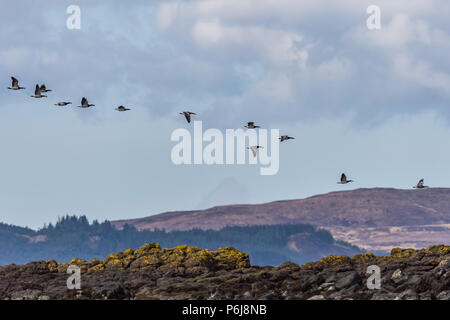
74,236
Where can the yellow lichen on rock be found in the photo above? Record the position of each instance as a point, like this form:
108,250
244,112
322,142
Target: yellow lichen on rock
438,249
330,261
180,260
52,265
400,253
231,258
78,262
128,252
363,258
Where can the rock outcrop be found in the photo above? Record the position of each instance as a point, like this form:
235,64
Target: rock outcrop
183,272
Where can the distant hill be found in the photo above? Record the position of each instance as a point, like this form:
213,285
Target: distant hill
76,237
375,219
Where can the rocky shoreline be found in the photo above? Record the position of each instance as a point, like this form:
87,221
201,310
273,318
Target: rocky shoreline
183,272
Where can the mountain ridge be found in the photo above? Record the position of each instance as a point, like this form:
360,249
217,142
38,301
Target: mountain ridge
343,213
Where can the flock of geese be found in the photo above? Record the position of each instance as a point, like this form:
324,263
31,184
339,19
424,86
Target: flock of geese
187,114
43,89
85,104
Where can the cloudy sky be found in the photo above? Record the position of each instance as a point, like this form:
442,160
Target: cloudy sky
372,103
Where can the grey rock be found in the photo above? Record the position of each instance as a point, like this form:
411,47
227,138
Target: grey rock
348,280
444,295
398,276
331,278
317,297
26,295
325,285
407,295
247,295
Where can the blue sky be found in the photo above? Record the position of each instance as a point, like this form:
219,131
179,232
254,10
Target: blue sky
373,104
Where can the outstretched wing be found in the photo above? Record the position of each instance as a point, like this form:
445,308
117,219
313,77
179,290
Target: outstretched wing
84,101
15,82
254,149
188,117
343,178
250,124
37,91
43,87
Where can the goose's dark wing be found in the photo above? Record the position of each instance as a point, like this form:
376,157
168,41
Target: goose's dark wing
37,90
43,87
188,117
420,183
84,101
343,178
250,123
14,81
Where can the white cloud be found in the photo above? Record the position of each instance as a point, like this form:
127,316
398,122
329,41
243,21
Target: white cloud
166,15
422,73
13,57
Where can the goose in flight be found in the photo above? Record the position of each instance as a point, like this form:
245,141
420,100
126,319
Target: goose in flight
43,88
122,108
344,179
255,149
283,138
62,103
420,185
15,84
187,114
251,125
85,103
37,93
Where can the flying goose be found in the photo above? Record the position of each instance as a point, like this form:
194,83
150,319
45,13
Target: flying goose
187,114
15,84
44,89
283,138
344,179
37,93
122,108
420,185
255,149
251,125
62,103
85,103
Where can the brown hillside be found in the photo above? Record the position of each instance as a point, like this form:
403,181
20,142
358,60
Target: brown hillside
376,218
